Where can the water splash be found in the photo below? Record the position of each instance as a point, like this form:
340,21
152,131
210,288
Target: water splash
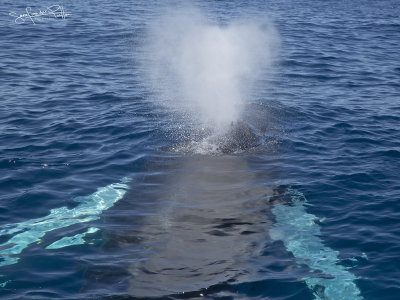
300,234
238,137
25,233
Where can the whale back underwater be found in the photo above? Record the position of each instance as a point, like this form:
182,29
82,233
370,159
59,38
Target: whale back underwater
197,222
206,222
191,223
195,225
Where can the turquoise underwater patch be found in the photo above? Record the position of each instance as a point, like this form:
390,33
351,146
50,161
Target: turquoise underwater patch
301,236
31,231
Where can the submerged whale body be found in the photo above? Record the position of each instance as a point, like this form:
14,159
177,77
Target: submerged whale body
199,225
239,137
207,221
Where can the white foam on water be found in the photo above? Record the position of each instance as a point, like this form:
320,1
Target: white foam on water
300,234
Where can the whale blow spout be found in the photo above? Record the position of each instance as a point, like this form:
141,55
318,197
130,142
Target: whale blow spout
207,69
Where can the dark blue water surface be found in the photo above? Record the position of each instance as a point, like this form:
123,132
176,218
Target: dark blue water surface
77,115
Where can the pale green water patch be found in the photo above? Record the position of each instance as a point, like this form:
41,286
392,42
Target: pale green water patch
300,234
31,231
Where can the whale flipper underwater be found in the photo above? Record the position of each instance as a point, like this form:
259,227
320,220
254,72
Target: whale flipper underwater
21,235
300,234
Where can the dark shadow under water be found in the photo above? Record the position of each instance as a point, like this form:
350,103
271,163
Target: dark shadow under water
207,230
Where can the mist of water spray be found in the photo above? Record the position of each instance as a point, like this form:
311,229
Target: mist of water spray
207,69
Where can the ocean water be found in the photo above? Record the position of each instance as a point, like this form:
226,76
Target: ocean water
106,193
